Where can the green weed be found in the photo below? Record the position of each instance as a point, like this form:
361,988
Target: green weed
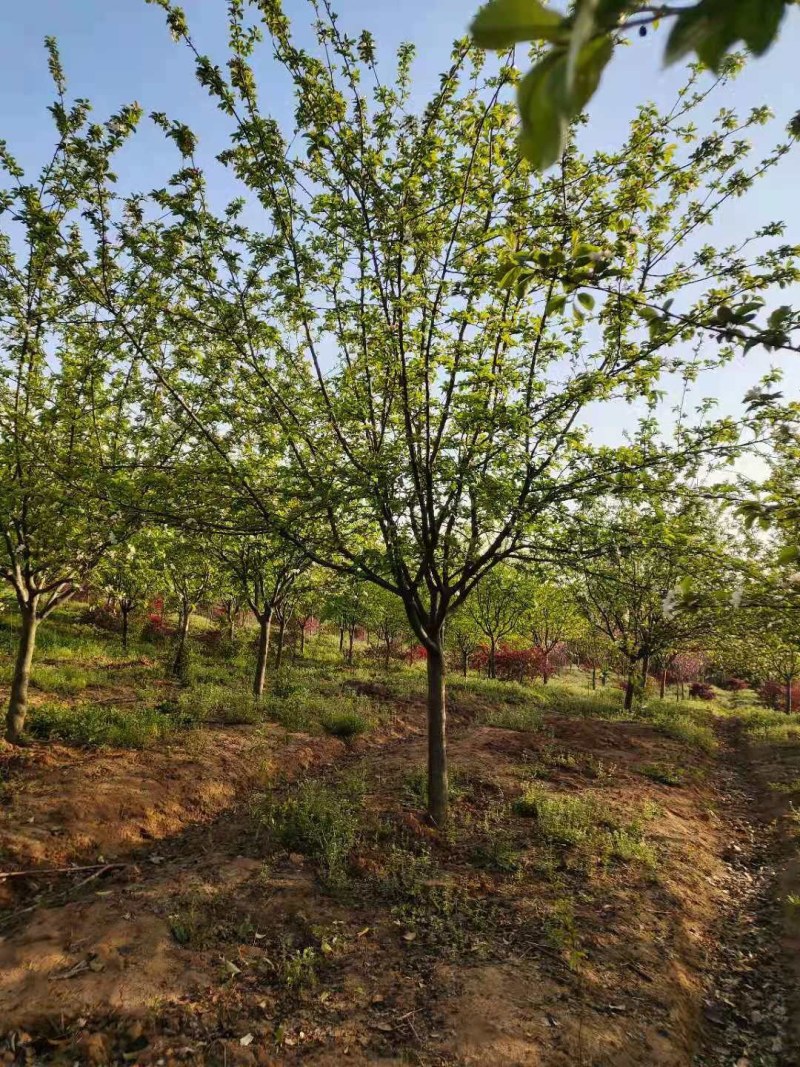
772,727
521,718
586,823
321,821
663,773
213,702
345,723
95,725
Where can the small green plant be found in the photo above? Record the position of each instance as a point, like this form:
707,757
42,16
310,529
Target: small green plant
497,852
345,725
586,823
321,821
521,718
663,773
295,969
446,917
628,846
217,703
94,725
563,932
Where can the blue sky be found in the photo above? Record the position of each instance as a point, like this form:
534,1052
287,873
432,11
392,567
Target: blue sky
115,51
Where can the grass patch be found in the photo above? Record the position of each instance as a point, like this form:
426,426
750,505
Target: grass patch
772,727
213,702
587,823
687,723
340,714
344,724
65,679
320,821
96,725
521,718
415,786
663,773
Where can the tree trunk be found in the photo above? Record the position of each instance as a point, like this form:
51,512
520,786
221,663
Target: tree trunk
464,663
125,612
231,624
351,636
788,700
437,737
303,638
594,677
388,653
279,652
629,691
492,659
264,624
180,651
18,701
645,673
546,668
341,639
663,687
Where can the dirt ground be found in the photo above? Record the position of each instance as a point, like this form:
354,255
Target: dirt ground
191,936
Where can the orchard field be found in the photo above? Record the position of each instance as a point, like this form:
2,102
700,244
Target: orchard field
214,879
399,534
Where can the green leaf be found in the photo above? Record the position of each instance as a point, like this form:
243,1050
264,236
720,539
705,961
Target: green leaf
556,304
547,105
583,29
713,27
789,555
503,23
544,109
587,300
709,33
758,22
591,63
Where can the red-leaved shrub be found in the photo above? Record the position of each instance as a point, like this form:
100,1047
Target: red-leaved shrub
773,695
734,685
416,653
516,664
701,691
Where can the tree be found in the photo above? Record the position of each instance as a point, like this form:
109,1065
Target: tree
347,604
426,385
127,575
465,636
775,503
265,571
552,619
190,574
580,45
388,620
498,606
655,588
73,431
594,653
